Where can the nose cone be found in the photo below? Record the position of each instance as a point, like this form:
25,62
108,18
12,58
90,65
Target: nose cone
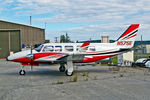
18,55
11,57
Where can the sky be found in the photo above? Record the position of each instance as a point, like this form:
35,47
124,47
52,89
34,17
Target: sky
81,19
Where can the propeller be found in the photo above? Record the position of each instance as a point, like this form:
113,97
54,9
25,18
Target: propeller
30,56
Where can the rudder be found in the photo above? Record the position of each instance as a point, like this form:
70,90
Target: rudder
127,39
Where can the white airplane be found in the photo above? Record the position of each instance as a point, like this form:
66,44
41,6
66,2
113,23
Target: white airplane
69,53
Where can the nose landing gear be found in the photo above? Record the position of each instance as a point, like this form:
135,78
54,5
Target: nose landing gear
22,71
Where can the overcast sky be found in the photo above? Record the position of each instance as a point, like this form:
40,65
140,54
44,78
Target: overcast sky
81,19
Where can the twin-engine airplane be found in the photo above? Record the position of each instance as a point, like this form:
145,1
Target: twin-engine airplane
69,53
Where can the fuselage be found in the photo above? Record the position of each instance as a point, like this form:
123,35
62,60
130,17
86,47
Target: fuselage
56,52
76,52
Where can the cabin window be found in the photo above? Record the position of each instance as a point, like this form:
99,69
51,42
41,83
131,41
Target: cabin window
78,47
92,48
69,48
48,49
58,48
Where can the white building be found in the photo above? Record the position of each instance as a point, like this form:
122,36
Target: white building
126,59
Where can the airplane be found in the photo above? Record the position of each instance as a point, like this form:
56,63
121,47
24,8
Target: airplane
66,54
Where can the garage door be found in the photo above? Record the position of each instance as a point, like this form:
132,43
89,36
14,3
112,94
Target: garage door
9,41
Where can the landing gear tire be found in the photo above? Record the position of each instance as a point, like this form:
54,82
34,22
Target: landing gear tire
22,72
68,73
62,68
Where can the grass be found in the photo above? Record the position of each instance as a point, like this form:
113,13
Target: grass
85,74
59,82
121,75
74,78
114,68
115,60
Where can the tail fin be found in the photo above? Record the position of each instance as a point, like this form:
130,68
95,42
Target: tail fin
127,39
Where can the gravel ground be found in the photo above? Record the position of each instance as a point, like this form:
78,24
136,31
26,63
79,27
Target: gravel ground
89,82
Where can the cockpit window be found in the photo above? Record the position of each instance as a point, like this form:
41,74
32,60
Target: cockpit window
38,49
48,49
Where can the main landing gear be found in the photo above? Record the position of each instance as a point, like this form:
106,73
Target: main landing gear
69,68
62,68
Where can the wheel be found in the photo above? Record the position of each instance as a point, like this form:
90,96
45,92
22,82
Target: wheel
22,72
68,73
62,68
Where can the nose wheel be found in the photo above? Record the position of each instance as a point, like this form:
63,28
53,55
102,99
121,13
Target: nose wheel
22,72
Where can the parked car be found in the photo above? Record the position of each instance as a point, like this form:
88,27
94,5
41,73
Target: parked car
147,64
140,62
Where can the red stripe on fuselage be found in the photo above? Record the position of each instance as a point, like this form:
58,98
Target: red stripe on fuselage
85,44
36,56
96,58
41,55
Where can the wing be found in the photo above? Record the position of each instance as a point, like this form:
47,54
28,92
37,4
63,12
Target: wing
51,58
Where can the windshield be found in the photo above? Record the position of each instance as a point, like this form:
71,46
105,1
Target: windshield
38,49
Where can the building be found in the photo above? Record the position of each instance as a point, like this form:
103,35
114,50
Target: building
14,36
142,47
147,48
104,39
126,59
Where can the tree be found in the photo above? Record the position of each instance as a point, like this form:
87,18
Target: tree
65,38
62,39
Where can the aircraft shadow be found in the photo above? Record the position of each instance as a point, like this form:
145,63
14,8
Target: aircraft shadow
53,72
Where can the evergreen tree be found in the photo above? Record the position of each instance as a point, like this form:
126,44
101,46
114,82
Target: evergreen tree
62,39
65,38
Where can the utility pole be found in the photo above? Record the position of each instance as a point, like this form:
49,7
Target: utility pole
56,39
30,20
142,45
30,38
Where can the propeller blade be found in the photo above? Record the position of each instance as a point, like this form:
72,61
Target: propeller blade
31,64
31,59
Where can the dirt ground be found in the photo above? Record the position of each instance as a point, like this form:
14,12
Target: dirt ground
89,82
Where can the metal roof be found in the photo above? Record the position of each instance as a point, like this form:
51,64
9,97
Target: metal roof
21,24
